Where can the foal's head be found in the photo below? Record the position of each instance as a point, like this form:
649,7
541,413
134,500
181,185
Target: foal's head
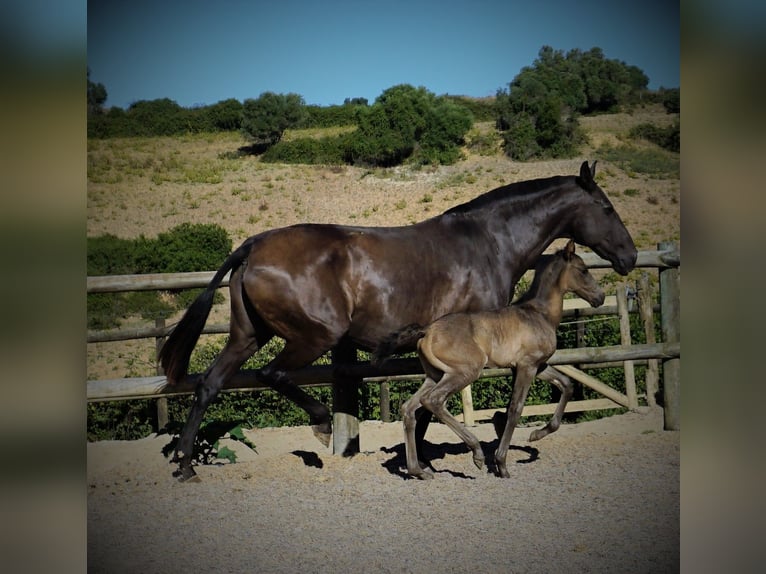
575,276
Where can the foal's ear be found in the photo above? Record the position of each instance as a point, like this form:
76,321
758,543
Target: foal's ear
569,250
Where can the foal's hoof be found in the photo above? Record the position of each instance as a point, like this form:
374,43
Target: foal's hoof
478,461
423,474
323,433
537,435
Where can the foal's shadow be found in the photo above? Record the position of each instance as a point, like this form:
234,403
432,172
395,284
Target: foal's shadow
397,465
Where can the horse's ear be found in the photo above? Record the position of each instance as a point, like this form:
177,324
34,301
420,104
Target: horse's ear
588,174
585,173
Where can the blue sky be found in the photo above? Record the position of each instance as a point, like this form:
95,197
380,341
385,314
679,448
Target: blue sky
201,52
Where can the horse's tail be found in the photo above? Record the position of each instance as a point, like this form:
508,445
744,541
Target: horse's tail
406,337
176,352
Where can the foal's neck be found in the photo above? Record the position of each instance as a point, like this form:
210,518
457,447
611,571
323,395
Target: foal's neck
546,294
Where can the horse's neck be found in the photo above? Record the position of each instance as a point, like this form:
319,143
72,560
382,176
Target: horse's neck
524,230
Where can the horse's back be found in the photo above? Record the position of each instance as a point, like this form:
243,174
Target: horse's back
368,280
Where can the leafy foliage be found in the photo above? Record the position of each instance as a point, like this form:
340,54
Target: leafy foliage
164,117
186,247
538,113
96,96
633,159
406,121
207,445
668,137
266,118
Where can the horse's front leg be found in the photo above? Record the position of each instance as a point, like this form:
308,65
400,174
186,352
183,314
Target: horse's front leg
521,383
566,386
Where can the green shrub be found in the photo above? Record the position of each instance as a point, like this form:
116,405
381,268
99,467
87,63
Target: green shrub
668,137
187,247
641,160
323,151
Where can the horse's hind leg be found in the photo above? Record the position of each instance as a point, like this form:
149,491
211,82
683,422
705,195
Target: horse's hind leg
565,385
224,367
243,341
294,356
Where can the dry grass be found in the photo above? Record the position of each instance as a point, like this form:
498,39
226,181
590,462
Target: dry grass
144,186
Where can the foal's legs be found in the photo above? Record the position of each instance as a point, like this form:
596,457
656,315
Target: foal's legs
565,385
522,381
436,402
411,420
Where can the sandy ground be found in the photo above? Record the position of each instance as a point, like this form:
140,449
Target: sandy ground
600,496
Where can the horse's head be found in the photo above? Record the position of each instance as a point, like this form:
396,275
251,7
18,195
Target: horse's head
597,225
578,279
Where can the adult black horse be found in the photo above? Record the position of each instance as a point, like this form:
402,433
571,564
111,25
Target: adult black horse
314,285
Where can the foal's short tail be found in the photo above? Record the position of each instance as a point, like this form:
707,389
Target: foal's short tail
177,350
405,337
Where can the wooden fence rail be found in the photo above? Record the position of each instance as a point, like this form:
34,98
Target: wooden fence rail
666,259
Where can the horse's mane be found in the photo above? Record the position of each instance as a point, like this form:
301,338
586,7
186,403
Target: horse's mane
521,190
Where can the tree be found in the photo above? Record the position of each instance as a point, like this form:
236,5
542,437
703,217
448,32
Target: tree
226,115
264,120
538,113
96,96
403,119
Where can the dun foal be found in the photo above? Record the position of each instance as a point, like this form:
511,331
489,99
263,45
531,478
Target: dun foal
455,348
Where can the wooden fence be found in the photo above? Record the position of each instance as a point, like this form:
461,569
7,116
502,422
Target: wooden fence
346,375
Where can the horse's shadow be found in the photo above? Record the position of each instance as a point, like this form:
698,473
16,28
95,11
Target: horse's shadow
397,465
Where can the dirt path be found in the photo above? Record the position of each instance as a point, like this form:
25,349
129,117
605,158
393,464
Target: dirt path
601,496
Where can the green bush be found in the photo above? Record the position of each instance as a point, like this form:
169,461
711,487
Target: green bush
654,161
324,151
668,137
266,118
408,123
550,94
187,247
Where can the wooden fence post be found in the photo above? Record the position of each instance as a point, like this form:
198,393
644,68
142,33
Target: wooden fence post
630,373
162,403
385,402
345,401
645,309
670,309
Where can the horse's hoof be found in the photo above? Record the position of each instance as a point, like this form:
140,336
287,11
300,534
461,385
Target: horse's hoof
536,435
322,434
186,474
479,462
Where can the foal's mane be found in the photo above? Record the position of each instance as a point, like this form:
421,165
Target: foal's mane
518,191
